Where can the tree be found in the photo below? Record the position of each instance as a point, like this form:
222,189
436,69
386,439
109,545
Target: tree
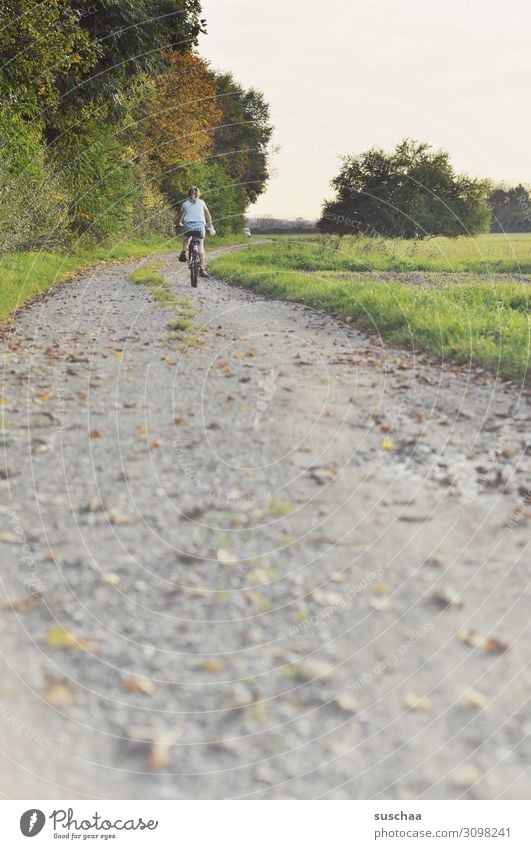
108,115
183,113
412,192
511,209
133,37
44,50
242,137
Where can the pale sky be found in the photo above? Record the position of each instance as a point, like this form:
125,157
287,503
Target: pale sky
344,75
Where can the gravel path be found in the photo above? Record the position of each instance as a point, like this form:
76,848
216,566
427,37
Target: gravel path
277,559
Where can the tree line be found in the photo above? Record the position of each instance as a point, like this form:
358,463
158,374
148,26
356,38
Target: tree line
414,192
107,115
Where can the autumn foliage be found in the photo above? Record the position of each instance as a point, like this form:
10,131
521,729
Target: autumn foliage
185,111
107,114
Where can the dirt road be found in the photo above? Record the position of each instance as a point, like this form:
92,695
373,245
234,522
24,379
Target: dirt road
279,559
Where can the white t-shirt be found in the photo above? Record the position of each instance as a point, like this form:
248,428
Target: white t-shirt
194,211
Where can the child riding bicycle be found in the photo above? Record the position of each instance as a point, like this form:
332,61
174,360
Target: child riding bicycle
196,218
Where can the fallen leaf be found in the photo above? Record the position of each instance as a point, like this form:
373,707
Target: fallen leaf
193,512
347,703
475,699
159,756
521,513
59,637
415,702
323,475
154,443
226,557
51,557
448,597
133,684
94,506
494,645
257,577
466,776
116,518
381,603
213,665
23,605
142,430
112,579
387,445
119,355
179,420
95,434
308,670
252,597
7,536
436,560
326,597
8,472
491,644
59,694
469,636
160,753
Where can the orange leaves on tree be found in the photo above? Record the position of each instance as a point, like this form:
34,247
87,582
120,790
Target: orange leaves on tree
184,113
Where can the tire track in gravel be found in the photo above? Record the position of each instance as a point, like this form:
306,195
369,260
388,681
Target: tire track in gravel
274,559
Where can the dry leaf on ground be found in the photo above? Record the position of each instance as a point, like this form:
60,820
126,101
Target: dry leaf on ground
23,605
415,702
214,664
60,694
160,754
135,684
475,699
7,536
59,637
466,776
448,597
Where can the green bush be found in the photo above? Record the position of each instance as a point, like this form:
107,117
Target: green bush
33,203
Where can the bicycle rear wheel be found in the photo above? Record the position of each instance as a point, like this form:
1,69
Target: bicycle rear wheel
194,270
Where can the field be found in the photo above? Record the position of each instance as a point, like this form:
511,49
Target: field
465,299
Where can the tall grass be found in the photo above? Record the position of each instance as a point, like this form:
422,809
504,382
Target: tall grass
485,254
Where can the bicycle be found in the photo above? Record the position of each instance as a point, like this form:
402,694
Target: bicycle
194,260
194,254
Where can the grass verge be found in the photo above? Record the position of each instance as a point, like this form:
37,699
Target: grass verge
161,292
476,321
25,275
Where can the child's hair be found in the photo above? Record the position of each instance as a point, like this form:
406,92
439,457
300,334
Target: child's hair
192,190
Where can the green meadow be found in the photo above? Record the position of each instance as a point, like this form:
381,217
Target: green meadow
462,298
